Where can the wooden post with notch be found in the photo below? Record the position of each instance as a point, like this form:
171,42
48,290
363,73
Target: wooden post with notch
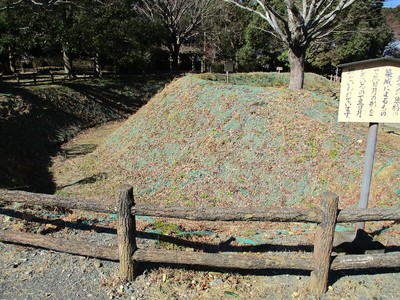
126,233
323,244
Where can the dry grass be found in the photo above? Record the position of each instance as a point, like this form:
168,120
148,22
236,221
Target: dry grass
202,143
208,143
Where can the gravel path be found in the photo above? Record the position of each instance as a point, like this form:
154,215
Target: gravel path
28,273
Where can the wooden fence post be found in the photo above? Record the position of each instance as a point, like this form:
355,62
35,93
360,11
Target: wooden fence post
323,244
126,233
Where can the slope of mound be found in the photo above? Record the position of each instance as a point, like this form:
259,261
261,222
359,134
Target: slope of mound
34,120
202,142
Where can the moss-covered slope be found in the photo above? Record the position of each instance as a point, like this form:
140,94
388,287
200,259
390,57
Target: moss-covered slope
202,142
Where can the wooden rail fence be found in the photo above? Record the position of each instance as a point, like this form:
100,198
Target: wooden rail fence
35,77
31,77
319,263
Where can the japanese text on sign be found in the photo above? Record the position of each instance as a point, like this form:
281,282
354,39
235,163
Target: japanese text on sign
370,95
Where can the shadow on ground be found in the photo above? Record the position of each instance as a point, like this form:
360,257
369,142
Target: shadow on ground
118,104
26,145
223,247
47,116
77,150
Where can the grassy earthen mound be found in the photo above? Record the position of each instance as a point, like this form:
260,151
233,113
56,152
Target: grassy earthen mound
252,142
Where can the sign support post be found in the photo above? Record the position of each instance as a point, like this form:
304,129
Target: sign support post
228,67
370,93
368,166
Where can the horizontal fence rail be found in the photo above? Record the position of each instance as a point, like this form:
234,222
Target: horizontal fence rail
347,215
320,262
248,261
263,260
81,247
35,199
28,77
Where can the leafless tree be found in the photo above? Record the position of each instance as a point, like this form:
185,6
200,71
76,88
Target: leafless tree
181,20
297,23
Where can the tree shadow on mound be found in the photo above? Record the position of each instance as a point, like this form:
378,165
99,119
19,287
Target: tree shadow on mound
119,104
28,141
32,134
118,100
77,150
86,180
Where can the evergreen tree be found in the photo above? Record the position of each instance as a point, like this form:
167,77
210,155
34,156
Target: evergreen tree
17,35
261,50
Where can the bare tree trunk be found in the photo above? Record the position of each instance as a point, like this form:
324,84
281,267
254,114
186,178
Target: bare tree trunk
303,23
296,61
174,57
193,60
203,59
96,65
11,60
68,68
170,62
203,64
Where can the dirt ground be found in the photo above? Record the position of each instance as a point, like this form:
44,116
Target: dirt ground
31,273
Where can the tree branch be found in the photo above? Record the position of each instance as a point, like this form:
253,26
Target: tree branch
269,14
322,22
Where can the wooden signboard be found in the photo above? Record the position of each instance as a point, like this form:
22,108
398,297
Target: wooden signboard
228,66
370,91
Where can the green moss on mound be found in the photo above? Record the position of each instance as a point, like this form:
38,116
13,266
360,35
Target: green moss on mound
202,142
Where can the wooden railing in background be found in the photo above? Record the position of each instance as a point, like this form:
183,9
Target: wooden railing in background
35,77
319,263
32,77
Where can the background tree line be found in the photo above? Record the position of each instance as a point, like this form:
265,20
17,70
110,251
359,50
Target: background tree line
170,35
